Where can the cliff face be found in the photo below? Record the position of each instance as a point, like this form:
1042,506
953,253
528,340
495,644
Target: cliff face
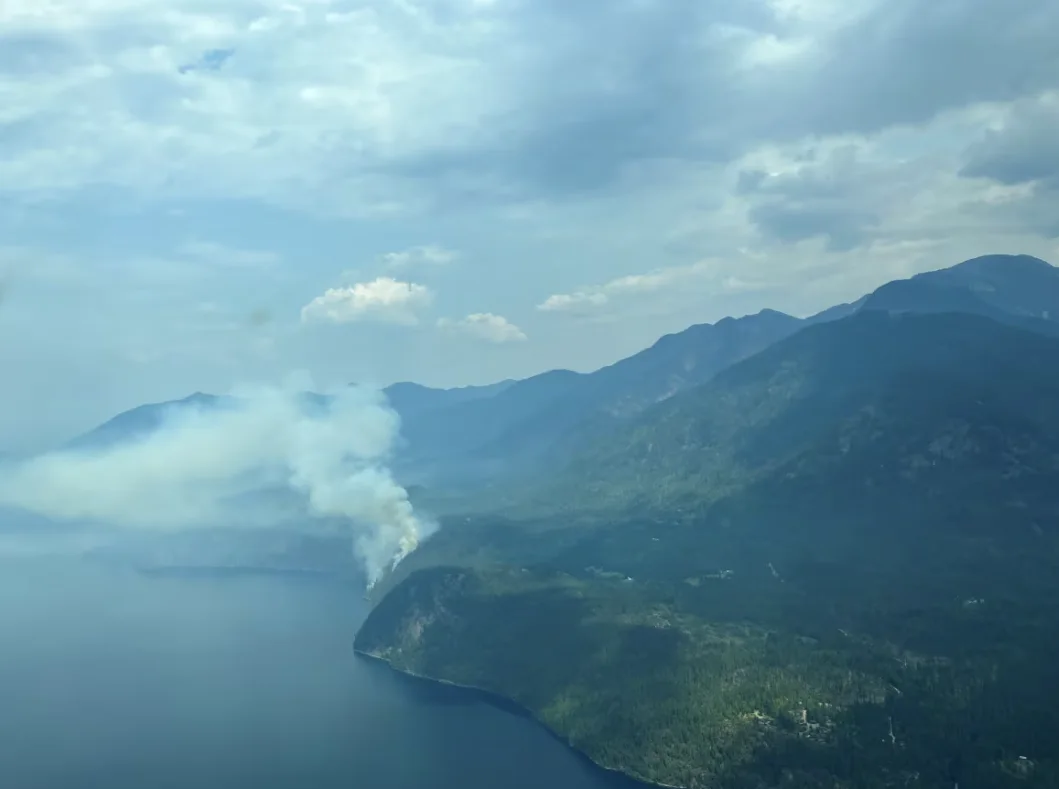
394,631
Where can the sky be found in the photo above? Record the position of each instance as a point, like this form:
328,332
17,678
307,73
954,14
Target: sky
197,194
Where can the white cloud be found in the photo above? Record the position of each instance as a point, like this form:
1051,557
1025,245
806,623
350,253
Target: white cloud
573,302
486,326
383,299
427,255
713,274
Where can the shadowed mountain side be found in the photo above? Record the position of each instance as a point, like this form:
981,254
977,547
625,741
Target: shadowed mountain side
918,386
542,421
834,565
1017,285
412,400
537,421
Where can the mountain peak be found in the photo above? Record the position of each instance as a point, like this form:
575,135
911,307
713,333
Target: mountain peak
1003,287
765,314
1021,262
196,398
768,312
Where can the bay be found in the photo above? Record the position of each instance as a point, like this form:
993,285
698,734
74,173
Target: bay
113,679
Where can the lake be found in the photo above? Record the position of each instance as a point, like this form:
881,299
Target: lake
111,679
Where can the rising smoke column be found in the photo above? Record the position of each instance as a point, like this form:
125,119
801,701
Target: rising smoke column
204,468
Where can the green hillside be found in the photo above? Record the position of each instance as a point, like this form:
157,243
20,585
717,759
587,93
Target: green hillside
906,391
834,565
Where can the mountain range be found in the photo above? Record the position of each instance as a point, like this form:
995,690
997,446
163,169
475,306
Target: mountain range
475,434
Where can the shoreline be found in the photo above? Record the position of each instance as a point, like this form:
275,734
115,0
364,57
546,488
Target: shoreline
510,705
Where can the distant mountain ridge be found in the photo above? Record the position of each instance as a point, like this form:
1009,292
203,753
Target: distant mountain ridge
478,433
143,420
536,419
536,422
438,423
1018,285
830,383
412,399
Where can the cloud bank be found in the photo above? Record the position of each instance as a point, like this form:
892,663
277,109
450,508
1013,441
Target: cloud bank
212,466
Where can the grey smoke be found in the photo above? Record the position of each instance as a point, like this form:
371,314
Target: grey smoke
208,467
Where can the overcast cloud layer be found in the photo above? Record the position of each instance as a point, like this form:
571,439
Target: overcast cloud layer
196,193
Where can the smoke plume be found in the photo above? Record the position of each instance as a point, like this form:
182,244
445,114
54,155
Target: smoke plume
262,458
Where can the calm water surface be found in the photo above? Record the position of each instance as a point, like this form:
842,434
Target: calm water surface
114,680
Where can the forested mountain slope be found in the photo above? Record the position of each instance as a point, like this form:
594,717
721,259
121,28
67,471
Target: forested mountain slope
543,417
541,421
834,565
836,396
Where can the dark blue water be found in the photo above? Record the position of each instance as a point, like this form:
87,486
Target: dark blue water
115,680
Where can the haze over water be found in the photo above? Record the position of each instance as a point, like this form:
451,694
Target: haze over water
110,679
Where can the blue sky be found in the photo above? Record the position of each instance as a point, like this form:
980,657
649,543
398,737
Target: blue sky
200,193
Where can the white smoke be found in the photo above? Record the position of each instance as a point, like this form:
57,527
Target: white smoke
207,467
